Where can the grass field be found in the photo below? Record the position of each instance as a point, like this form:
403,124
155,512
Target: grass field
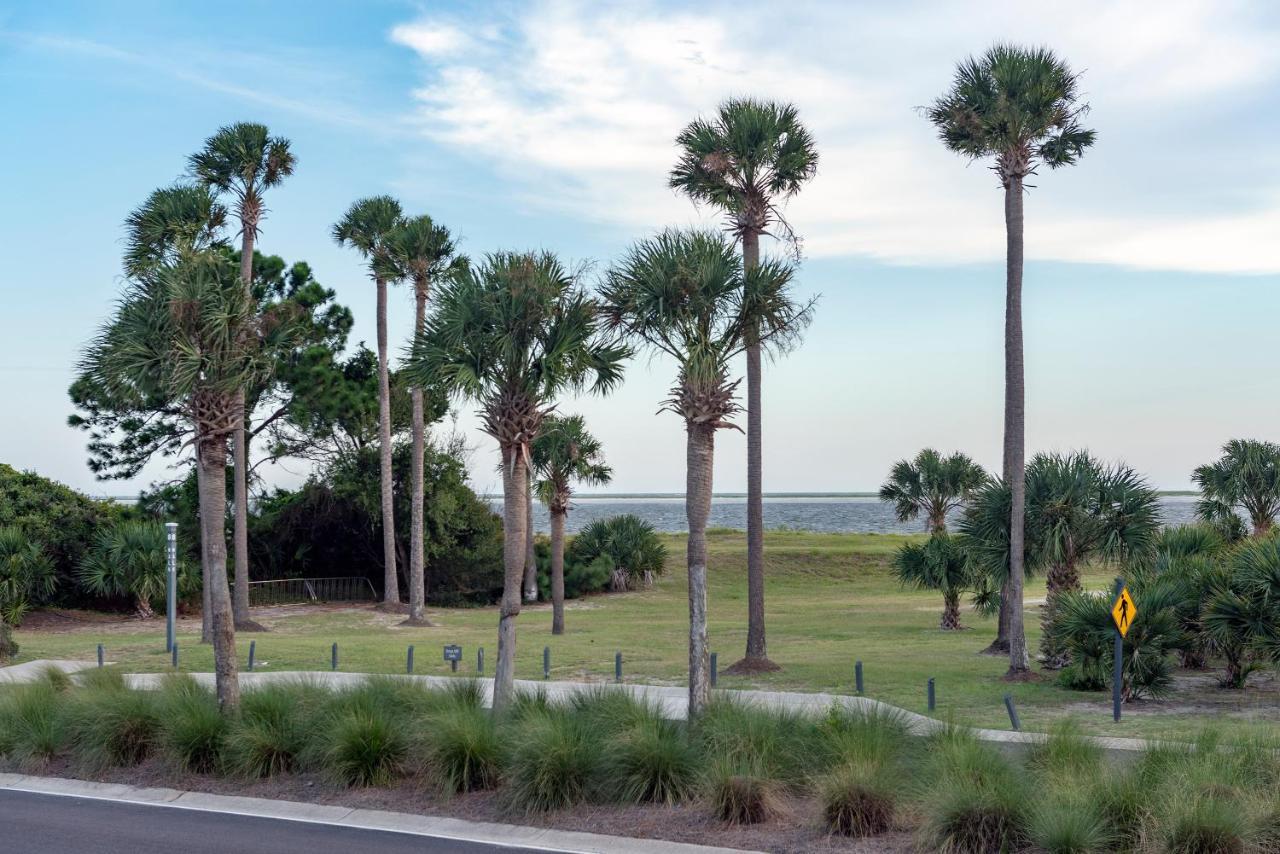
831,600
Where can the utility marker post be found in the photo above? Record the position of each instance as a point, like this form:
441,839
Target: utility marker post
171,584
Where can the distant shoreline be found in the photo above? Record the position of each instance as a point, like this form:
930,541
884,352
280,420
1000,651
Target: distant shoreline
640,496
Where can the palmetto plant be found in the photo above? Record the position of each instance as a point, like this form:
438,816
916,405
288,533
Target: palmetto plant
1021,107
1247,476
368,226
422,252
629,545
511,334
941,564
26,575
931,485
747,160
1242,609
563,454
683,294
243,160
128,559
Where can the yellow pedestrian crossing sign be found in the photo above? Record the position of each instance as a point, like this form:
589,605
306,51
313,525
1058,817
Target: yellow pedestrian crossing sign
1123,611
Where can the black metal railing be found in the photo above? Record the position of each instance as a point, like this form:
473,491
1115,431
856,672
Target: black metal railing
288,591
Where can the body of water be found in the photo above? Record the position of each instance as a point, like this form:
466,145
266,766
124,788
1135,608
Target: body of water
827,513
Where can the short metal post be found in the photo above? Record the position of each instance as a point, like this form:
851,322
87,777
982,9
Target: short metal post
453,665
617,667
100,655
171,585
333,658
253,648
715,670
480,661
932,698
408,660
1117,678
857,676
546,662
175,655
1013,713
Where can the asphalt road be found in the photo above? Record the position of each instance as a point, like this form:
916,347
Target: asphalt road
57,824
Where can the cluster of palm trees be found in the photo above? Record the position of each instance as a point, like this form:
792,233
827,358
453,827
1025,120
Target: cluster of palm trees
514,331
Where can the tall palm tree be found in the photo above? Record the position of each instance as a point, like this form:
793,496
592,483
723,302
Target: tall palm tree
186,331
422,252
1022,107
564,453
748,160
684,294
243,160
1246,476
511,334
368,226
175,224
932,485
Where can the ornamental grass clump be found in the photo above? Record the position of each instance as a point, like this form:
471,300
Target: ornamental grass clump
33,728
742,791
860,797
976,802
1066,822
111,725
363,747
193,732
270,736
780,746
461,749
652,761
555,762
1066,753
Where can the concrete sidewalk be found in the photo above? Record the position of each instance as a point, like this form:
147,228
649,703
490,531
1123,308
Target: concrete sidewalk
673,700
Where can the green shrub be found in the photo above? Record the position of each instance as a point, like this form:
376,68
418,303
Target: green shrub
193,731
128,559
631,545
976,801
27,575
611,710
364,748
652,761
32,726
1067,752
111,725
553,764
1121,801
860,797
462,749
864,735
780,745
1065,821
742,791
272,731
1204,824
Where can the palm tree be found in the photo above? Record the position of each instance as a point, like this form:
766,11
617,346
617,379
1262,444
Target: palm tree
1022,107
530,550
128,559
940,564
564,453
932,485
368,226
26,575
1246,476
684,294
748,160
187,331
1079,510
512,334
422,252
243,160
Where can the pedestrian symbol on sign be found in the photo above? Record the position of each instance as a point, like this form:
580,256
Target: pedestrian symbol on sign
1123,611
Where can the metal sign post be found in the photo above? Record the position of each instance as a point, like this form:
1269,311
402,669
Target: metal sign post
1123,612
171,589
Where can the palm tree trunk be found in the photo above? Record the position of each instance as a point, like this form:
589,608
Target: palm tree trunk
240,463
206,604
1015,425
417,530
700,455
213,508
530,553
1061,578
514,520
950,610
390,581
557,571
757,657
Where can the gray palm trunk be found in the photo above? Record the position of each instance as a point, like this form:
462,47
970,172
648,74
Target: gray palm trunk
213,509
240,464
950,610
756,648
1015,425
530,553
206,601
700,453
515,487
390,582
417,531
557,570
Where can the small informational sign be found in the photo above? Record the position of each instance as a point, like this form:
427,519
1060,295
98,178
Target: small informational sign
452,652
1124,611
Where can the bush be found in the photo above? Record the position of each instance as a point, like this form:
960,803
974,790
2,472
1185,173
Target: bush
1083,627
1205,824
1068,824
32,727
741,791
462,749
775,744
976,802
193,732
554,762
129,559
26,575
631,546
651,761
364,748
859,798
1066,753
111,725
273,729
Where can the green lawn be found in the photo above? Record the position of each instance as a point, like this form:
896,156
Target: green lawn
831,601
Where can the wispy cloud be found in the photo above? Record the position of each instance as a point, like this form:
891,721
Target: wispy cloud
577,105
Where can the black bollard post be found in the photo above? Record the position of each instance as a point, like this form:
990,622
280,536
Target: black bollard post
617,667
1013,713
932,698
480,661
715,670
175,655
253,648
100,655
857,676
333,658
546,662
408,661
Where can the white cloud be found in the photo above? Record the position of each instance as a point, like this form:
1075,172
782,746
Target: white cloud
431,39
577,106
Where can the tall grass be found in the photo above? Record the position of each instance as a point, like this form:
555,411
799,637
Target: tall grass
193,732
271,734
554,762
652,761
976,801
779,746
461,747
32,727
111,725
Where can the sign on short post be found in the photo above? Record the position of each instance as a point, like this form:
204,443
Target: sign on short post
453,654
1123,612
171,585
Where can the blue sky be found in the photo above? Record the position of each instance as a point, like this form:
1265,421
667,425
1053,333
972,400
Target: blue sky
1153,280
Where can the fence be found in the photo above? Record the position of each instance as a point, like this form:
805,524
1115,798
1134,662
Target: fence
285,591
